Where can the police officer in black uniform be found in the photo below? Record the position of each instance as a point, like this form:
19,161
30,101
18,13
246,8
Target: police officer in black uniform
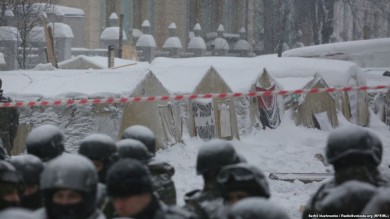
69,184
211,158
130,186
9,123
161,171
31,168
355,154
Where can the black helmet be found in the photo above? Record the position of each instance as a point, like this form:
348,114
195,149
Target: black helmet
142,134
29,166
348,198
98,147
130,148
10,180
353,144
17,213
214,155
250,208
45,142
128,177
9,174
70,171
244,177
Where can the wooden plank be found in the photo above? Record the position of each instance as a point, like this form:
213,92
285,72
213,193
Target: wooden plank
303,177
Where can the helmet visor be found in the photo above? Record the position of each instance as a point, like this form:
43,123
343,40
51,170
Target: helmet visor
238,174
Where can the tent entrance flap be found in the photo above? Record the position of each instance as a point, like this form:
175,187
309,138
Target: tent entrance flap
168,124
203,112
225,123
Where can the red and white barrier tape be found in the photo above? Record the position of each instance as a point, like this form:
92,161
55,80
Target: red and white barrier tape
111,100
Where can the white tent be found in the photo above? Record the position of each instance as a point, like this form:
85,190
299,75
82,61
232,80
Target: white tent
79,121
219,114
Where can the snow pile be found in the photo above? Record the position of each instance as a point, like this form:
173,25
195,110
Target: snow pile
146,40
112,33
172,42
365,53
61,30
44,67
197,43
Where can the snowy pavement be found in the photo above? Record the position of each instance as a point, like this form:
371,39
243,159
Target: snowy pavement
288,149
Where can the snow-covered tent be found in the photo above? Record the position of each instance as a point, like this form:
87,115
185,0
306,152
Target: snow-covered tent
248,108
205,118
312,110
79,121
92,62
365,53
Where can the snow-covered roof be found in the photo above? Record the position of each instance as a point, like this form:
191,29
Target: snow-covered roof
9,33
99,61
27,85
197,43
241,73
172,26
172,42
61,30
242,45
2,60
178,77
112,33
136,33
114,16
220,28
37,34
221,43
146,40
197,27
60,10
146,23
365,53
294,83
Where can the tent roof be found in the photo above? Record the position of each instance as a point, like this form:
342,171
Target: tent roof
99,61
241,73
25,85
179,77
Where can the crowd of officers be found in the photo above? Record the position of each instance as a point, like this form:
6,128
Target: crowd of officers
123,179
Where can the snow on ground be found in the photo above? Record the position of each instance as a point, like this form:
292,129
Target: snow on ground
287,148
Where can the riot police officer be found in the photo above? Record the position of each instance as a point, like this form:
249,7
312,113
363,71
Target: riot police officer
211,158
9,123
69,184
10,185
161,171
31,168
239,181
130,186
355,154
